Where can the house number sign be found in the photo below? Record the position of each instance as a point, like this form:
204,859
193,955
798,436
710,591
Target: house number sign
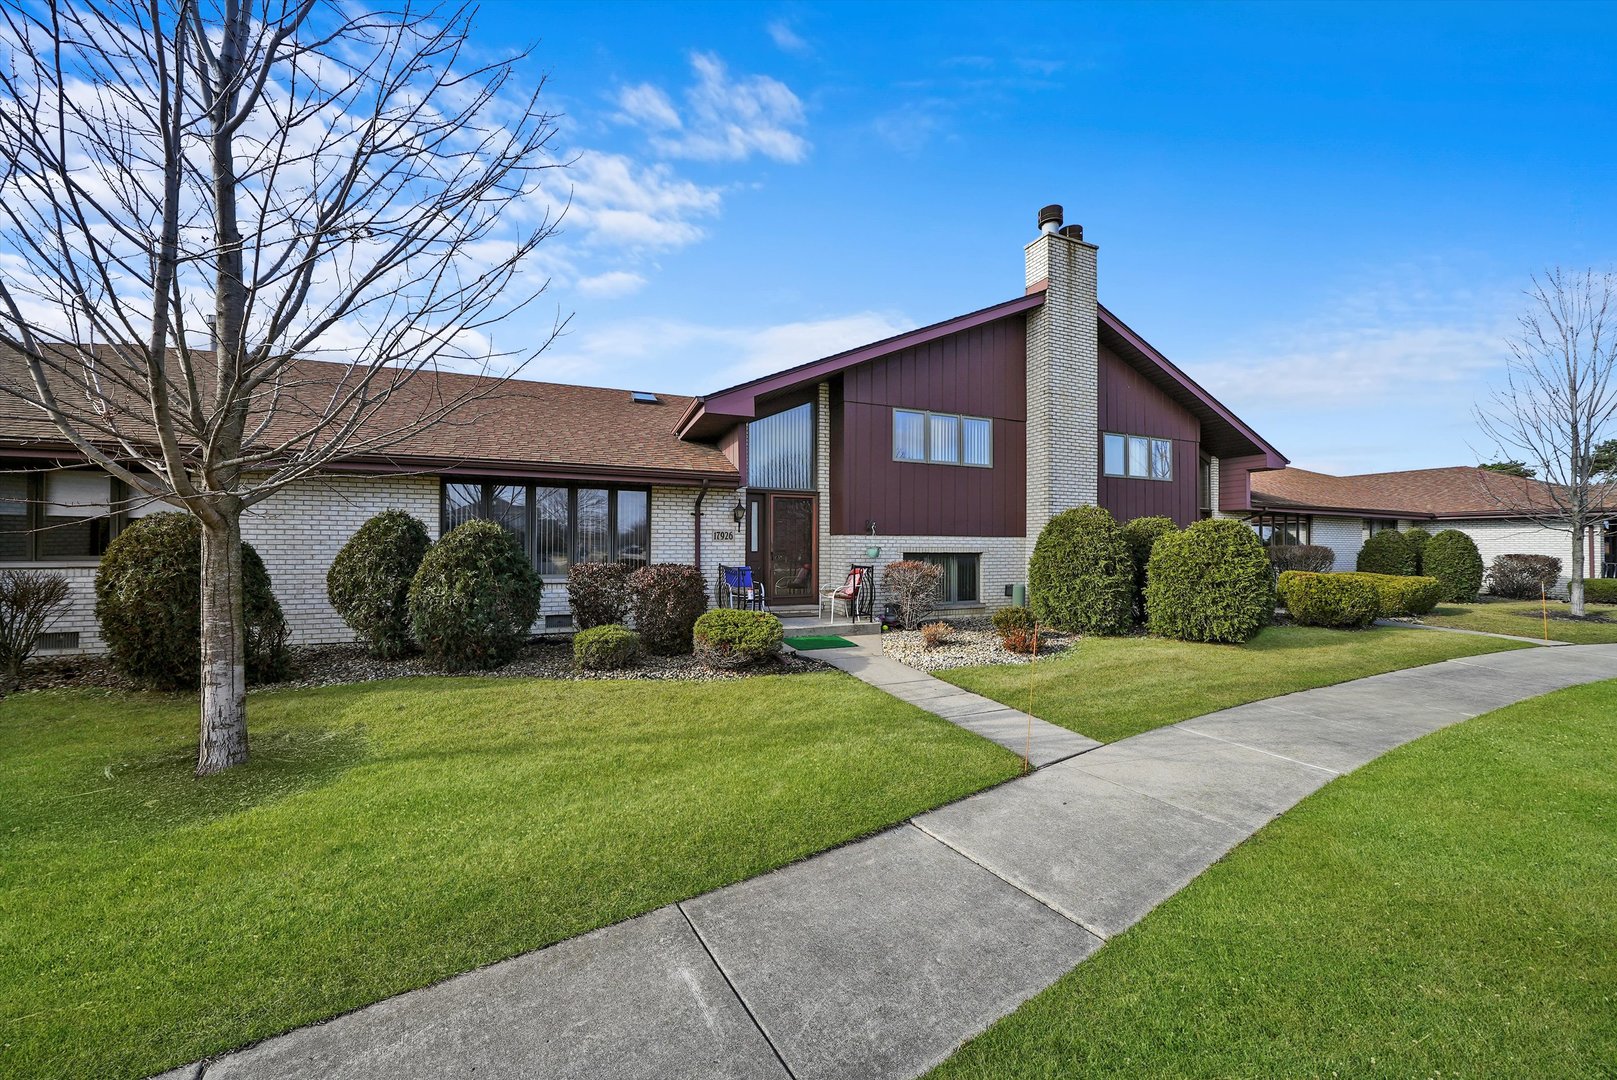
724,534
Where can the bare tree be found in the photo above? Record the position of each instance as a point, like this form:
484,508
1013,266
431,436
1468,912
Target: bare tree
1557,406
341,196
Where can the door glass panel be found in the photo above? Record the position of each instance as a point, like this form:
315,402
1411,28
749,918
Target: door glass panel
791,548
594,539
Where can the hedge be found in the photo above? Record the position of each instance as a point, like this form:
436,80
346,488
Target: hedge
1418,539
1081,576
599,593
148,592
369,581
727,639
1335,600
1141,535
1452,558
1403,595
1600,590
474,598
608,647
1211,582
668,599
1387,552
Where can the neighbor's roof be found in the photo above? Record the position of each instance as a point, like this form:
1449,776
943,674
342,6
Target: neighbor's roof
1462,491
517,426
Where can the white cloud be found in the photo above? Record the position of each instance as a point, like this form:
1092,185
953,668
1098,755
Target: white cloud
610,285
786,39
636,207
724,119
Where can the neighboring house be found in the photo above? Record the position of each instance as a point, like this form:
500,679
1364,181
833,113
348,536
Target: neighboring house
954,443
1340,512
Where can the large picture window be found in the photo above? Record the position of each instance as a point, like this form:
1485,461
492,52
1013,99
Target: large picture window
942,438
1278,529
55,515
780,450
1138,457
558,526
960,574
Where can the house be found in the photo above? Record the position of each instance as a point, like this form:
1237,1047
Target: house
1296,506
953,443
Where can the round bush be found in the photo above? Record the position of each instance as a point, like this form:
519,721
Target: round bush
1141,534
1452,558
1524,577
1335,600
608,647
1418,538
727,639
1211,582
1401,596
598,593
1387,552
668,599
369,581
1600,590
148,592
1081,575
1013,618
1309,558
474,598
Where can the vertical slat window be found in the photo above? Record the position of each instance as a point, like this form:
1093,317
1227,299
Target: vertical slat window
508,505
977,436
961,571
462,503
945,435
780,450
550,525
1139,456
633,527
593,534
909,435
15,543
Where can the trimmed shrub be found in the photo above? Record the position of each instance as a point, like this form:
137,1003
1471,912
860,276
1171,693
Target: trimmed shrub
1024,642
1452,558
1387,552
936,633
912,586
29,600
369,581
1521,577
1307,558
1141,534
599,593
1600,590
1211,582
1013,618
1418,538
1337,600
727,638
1081,575
668,599
1402,596
148,592
474,598
608,647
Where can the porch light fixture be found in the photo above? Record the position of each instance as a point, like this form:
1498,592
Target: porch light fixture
739,513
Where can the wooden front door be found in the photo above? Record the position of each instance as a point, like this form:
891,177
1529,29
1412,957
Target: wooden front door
782,537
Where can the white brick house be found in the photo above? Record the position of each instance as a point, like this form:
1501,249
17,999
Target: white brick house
954,443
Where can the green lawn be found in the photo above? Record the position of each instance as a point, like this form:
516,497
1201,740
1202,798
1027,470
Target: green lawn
388,835
1448,911
1111,688
1525,619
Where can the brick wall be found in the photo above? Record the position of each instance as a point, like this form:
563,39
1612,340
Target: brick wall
673,531
1343,535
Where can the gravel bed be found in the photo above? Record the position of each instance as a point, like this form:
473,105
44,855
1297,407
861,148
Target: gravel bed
333,665
973,643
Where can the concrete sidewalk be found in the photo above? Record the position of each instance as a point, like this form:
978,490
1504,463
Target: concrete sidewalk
880,958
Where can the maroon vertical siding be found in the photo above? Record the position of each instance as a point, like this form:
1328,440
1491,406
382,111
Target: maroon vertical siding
1132,405
981,371
1235,482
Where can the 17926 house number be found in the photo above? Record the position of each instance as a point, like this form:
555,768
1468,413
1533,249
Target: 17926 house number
724,534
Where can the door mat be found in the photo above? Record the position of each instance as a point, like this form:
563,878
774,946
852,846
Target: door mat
819,641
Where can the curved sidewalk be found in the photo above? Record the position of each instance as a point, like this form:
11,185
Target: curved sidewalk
880,958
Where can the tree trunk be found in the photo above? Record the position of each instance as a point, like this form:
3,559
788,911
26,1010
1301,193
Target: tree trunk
1574,585
224,647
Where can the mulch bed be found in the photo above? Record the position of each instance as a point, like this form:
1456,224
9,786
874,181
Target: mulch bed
333,665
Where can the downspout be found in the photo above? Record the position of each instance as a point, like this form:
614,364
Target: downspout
697,514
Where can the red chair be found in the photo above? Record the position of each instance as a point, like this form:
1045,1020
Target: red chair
855,594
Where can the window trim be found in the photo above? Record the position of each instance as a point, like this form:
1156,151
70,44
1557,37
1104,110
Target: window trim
960,419
531,512
924,556
1151,442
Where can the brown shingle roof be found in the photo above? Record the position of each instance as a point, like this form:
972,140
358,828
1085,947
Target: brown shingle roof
1460,491
519,425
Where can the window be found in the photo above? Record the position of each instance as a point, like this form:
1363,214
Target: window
1375,525
943,438
1204,484
558,526
58,514
1276,529
780,450
960,577
1138,457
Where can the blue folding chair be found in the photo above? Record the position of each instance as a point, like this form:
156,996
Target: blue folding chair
740,590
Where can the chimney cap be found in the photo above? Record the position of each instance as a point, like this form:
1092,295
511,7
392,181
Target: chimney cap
1050,217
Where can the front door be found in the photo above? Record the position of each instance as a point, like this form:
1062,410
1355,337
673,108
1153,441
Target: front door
781,532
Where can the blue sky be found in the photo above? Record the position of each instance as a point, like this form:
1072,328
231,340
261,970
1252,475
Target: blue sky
1326,214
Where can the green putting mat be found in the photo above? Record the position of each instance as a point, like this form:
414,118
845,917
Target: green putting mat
819,641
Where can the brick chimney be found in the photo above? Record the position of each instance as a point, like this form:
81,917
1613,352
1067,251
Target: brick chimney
1063,373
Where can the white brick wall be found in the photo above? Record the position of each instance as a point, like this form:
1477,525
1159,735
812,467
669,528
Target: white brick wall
1343,535
1495,538
673,531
